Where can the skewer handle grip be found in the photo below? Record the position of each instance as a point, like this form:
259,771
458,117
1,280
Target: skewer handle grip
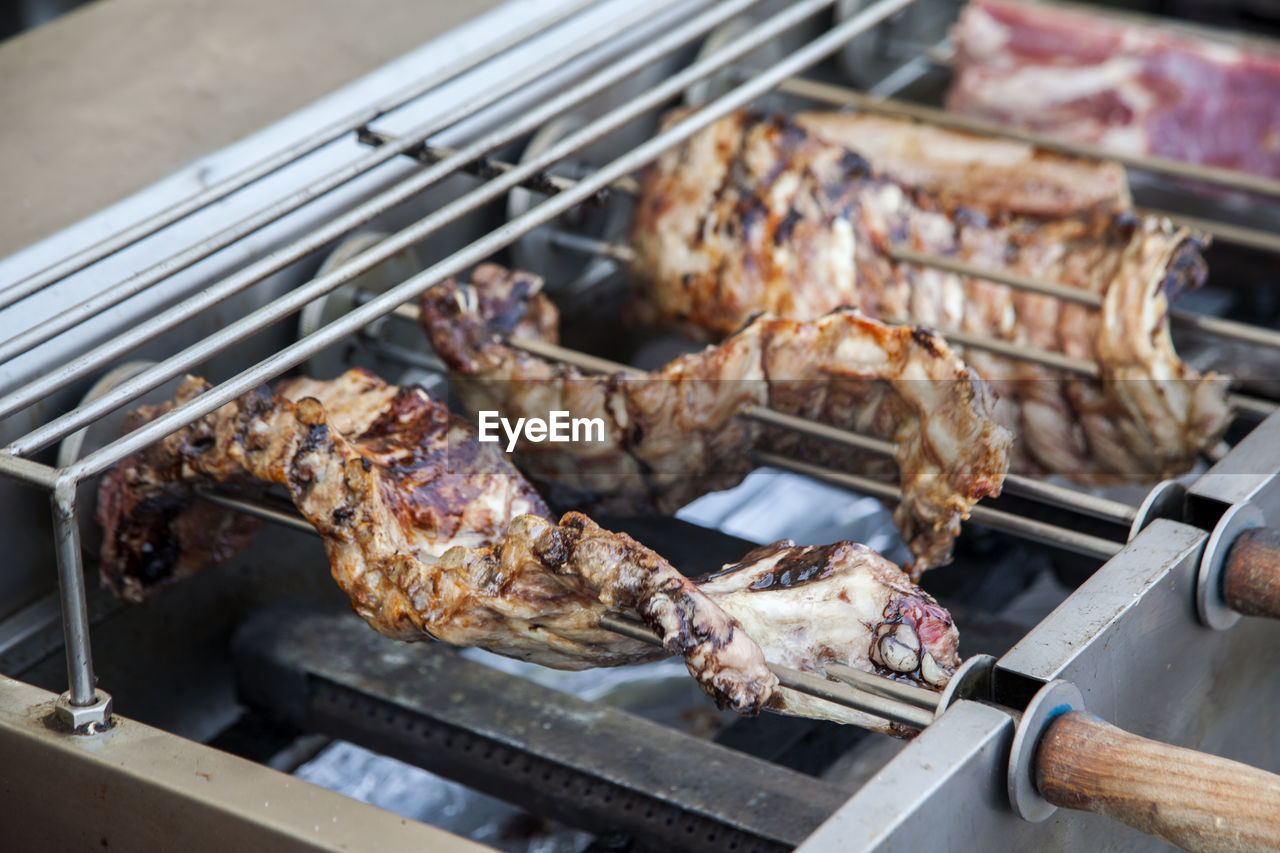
1191,799
1251,582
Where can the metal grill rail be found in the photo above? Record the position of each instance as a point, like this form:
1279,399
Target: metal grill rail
103,355
34,283
114,295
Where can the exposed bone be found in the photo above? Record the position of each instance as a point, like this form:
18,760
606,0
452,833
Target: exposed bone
900,650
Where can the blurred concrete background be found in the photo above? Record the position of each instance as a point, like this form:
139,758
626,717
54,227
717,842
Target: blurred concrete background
111,96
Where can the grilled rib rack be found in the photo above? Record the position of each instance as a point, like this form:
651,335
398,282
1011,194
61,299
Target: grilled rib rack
50,358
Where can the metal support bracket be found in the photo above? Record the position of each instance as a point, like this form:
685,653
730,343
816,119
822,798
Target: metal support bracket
85,711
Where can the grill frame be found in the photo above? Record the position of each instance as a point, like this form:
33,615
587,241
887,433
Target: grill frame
1208,495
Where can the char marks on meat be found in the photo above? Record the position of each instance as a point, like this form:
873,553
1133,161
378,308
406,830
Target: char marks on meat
845,187
675,433
433,534
1127,86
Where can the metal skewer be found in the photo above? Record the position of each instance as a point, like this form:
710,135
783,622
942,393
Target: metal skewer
1061,496
1227,232
1038,531
1028,487
832,94
1016,484
1242,332
909,693
590,246
885,704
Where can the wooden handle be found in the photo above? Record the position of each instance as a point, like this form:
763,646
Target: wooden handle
1188,798
1251,583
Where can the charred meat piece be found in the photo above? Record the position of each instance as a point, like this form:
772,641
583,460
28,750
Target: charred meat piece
674,434
794,217
1127,86
434,535
782,597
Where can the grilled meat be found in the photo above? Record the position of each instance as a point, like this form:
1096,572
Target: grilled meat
433,534
1126,86
674,434
794,217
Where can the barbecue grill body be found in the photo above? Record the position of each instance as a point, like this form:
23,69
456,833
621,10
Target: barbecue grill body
1128,638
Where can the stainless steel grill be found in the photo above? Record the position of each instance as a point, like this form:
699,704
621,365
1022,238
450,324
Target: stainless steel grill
1136,639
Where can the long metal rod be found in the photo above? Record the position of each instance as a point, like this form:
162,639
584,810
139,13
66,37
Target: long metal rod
909,693
885,707
1229,178
56,272
1246,333
291,520
1035,355
842,694
1227,232
1039,531
1064,292
75,609
493,241
1068,498
26,471
1029,487
487,169
94,360
1255,406
986,343
135,284
1243,403
591,246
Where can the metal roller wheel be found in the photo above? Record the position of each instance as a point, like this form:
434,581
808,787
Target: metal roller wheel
726,78
393,349
872,57
568,271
